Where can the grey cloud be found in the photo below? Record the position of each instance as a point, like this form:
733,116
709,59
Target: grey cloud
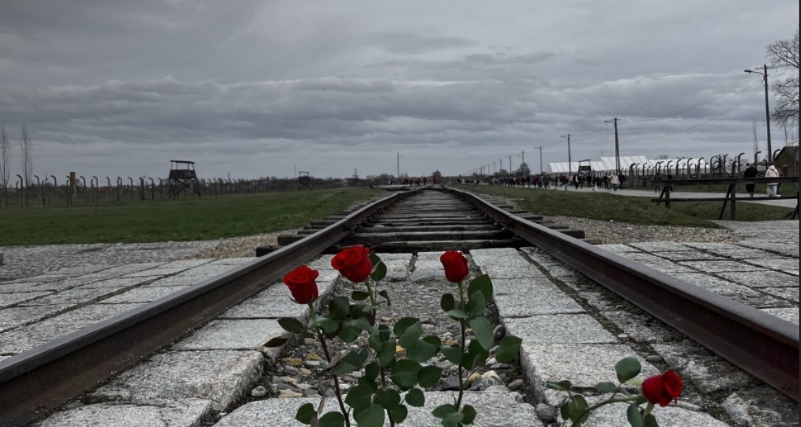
396,42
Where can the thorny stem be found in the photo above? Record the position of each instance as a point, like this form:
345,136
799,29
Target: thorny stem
382,373
337,390
461,365
607,402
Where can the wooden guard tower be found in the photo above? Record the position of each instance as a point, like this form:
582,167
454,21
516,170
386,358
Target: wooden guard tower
183,178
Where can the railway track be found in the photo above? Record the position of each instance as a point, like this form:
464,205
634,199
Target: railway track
41,379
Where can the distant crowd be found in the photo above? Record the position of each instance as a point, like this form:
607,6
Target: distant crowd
609,182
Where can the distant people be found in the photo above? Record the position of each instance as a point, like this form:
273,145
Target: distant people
750,172
615,181
772,186
670,178
657,178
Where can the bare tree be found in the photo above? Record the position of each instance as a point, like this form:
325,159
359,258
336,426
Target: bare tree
5,156
26,144
783,55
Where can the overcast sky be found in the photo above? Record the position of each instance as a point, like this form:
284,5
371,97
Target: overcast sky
265,88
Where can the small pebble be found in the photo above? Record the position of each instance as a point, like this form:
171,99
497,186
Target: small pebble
547,413
653,358
289,394
259,391
516,384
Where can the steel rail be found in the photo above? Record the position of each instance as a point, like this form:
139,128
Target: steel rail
38,380
761,344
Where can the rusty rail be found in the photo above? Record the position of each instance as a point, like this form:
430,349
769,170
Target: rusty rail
763,345
42,378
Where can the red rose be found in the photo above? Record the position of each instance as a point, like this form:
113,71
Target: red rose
353,263
663,388
455,265
300,282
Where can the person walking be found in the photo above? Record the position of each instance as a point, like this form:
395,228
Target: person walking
750,172
772,173
615,181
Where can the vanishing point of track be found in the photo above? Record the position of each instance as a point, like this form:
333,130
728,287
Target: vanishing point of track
39,380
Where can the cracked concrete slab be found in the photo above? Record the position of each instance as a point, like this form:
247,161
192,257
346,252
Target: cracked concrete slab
239,334
559,329
709,373
761,279
187,413
540,300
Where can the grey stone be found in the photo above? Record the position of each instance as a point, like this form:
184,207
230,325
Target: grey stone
274,302
18,316
583,365
259,391
143,295
220,376
559,329
7,300
741,253
540,300
761,406
775,263
789,314
618,248
516,384
790,294
427,269
706,371
762,279
234,334
186,413
546,412
660,246
73,296
720,266
686,255
450,383
520,286
642,327
494,409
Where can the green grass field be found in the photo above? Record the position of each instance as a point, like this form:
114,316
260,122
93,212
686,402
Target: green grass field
633,210
174,220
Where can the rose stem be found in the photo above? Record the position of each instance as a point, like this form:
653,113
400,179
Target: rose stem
338,392
461,367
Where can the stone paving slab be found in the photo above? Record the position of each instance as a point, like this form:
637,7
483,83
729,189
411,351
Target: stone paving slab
272,303
660,246
231,334
742,253
559,329
720,266
642,328
618,248
428,268
143,295
33,335
7,300
789,314
542,300
669,416
521,286
777,246
230,262
583,365
398,266
188,413
761,279
790,294
670,267
73,296
220,376
494,410
116,283
709,373
775,263
17,316
691,255
323,262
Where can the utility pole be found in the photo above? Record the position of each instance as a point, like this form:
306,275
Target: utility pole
569,170
540,148
398,177
493,168
617,147
510,165
767,106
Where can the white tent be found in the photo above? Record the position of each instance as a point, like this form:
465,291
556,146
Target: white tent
607,164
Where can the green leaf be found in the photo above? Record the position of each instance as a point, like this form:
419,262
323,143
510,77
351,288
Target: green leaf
442,411
359,295
559,385
636,381
343,367
305,413
577,407
279,341
384,332
420,351
387,353
452,420
331,419
429,376
359,397
627,368
371,371
402,324
404,373
452,353
374,259
476,304
508,349
433,340
634,416
481,283
339,307
410,335
650,421
379,271
469,414
476,355
415,397
349,333
375,342
399,414
447,303
328,325
291,324
385,294
369,383
372,416
388,398
564,410
482,328
457,314
605,387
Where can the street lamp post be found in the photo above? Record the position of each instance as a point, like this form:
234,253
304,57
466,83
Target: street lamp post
764,74
569,170
398,177
540,148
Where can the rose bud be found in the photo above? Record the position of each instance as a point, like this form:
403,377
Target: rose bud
353,263
302,285
455,266
663,388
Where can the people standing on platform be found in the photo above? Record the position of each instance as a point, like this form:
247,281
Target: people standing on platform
750,172
615,181
772,186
